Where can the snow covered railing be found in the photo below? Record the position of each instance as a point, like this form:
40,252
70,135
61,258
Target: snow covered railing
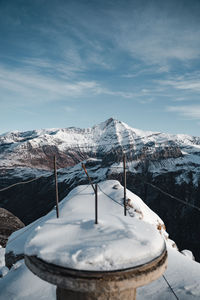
96,185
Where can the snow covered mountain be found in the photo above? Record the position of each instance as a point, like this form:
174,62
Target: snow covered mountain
170,162
71,145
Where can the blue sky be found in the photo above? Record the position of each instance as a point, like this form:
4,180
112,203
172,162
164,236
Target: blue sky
77,63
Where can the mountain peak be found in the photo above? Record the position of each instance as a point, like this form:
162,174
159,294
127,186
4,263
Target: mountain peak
109,121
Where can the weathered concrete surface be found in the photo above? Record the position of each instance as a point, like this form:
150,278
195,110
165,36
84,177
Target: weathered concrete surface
63,294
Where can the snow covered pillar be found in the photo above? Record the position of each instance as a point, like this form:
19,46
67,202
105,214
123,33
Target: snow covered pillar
88,261
92,285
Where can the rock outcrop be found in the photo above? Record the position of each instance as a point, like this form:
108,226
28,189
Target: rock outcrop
8,224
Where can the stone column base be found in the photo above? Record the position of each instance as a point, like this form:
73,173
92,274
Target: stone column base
63,294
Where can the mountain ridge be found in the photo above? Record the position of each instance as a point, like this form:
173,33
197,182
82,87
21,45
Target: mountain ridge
41,145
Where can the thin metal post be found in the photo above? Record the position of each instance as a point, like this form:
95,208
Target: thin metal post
96,204
56,187
124,166
84,168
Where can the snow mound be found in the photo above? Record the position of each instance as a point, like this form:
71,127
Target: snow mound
116,242
110,245
78,205
188,254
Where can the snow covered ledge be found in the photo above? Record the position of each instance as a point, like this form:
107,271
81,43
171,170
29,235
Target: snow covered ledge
104,261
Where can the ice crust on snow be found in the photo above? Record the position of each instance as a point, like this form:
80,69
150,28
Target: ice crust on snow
74,241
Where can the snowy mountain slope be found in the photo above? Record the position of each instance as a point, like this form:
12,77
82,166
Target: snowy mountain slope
147,152
182,273
71,145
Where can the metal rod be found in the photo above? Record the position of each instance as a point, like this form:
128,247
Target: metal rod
96,204
84,168
56,187
124,166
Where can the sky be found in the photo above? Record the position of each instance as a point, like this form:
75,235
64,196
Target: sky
77,63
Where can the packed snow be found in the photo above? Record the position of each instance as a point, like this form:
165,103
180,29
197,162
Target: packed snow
130,236
77,209
116,242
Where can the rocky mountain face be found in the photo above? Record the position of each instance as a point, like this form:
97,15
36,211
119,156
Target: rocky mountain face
170,162
8,224
35,149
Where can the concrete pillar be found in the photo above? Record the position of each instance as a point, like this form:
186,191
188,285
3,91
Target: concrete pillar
98,285
63,294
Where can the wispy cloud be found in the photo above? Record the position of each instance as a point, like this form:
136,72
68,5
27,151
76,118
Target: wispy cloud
149,31
70,66
28,85
132,53
158,36
188,111
153,34
184,87
190,84
142,70
32,86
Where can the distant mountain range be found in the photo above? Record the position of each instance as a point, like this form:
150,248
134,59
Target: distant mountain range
35,148
170,162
